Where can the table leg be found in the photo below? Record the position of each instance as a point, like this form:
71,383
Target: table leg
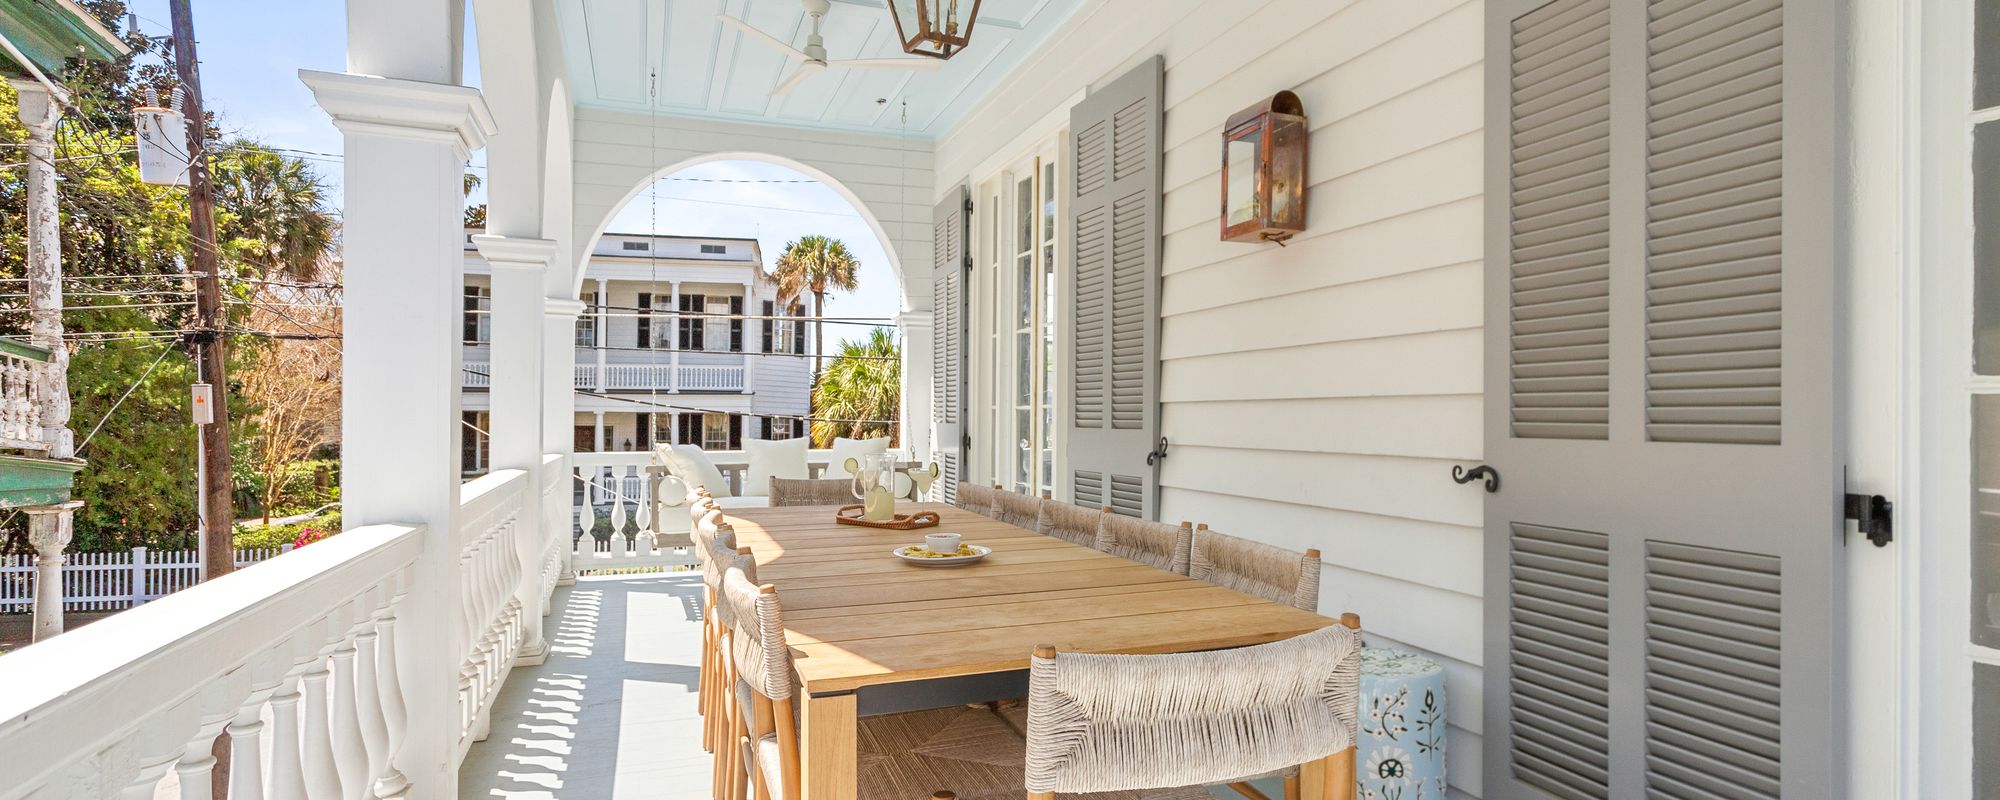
828,757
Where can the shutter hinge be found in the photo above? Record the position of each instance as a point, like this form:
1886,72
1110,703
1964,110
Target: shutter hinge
967,202
965,441
1874,516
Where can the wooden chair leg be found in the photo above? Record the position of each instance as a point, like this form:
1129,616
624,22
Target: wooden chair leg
1248,791
1041,796
1292,787
1340,775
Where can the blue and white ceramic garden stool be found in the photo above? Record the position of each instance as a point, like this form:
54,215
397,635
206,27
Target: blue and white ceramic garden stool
1400,755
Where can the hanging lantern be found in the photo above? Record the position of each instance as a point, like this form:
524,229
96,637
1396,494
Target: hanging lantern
935,28
1264,171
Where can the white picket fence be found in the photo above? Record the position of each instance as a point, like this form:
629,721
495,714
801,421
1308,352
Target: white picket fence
112,581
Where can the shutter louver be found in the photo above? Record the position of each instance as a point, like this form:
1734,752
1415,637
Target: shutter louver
949,222
1560,636
1112,330
1712,672
1560,209
1713,221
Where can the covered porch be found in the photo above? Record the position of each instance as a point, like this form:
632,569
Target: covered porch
1662,573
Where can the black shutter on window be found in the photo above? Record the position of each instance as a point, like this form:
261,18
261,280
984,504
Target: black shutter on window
690,327
768,324
471,314
689,429
736,431
764,428
643,440
798,330
736,325
645,319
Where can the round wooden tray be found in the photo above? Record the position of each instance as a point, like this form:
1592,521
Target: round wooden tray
851,515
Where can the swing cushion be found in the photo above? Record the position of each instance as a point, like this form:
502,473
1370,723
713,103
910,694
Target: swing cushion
845,448
691,466
781,458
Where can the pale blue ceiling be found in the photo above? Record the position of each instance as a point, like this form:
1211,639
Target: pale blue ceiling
710,70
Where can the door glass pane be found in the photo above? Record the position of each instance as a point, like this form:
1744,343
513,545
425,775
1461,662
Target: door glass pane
1986,521
1986,58
1986,247
1985,731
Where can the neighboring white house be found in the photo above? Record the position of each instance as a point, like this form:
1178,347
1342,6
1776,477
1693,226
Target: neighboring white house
648,369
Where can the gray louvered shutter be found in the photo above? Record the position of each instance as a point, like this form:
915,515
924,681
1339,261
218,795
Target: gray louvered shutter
1113,327
950,261
1664,573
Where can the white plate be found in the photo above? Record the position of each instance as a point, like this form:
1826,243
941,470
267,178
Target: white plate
903,553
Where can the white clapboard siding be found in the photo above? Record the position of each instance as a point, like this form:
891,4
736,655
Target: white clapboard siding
1316,394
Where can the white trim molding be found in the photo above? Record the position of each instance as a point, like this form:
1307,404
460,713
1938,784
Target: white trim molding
403,108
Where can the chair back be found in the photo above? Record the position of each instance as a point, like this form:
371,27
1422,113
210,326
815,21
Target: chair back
761,657
975,498
1107,723
1016,509
1071,523
1256,568
1157,543
811,491
714,548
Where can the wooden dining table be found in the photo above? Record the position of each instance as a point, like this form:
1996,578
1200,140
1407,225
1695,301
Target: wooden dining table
871,631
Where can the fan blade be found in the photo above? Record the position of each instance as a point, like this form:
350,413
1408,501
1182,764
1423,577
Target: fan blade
799,76
913,64
766,38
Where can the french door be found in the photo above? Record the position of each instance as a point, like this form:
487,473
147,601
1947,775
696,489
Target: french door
1019,280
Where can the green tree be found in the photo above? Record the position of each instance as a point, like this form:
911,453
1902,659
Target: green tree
813,265
864,382
275,219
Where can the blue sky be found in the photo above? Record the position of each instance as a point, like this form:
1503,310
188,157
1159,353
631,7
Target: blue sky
251,52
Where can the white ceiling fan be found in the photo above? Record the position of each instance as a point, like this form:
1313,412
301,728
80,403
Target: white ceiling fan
813,59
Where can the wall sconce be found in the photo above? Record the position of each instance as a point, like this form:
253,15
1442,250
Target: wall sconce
1264,171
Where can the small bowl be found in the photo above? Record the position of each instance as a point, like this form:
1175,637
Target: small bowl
942,543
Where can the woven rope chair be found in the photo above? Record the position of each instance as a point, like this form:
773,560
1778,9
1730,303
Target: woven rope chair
714,550
1016,509
1071,523
811,492
1255,568
1147,542
766,688
975,498
1104,723
725,721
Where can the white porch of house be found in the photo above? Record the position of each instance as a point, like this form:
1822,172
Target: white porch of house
455,641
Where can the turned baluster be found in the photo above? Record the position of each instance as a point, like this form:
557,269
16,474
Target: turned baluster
197,765
246,755
349,755
155,748
288,779
368,699
390,783
322,777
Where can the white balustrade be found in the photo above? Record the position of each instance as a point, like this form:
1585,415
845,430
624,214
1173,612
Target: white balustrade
711,377
490,613
20,401
107,710
478,374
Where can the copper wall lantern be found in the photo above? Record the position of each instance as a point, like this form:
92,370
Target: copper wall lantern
1264,171
935,28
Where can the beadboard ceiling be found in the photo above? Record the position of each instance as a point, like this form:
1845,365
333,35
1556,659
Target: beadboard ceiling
710,70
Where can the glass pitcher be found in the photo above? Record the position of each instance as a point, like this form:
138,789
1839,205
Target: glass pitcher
874,485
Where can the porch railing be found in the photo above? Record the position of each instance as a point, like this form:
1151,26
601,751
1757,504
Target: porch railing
305,641
638,377
113,581
21,367
490,622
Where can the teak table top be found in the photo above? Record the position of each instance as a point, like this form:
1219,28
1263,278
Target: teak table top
855,615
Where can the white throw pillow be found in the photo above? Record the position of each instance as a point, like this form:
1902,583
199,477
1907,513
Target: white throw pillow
781,458
845,448
692,465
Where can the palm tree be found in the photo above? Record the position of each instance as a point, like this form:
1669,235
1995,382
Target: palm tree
815,264
864,382
278,217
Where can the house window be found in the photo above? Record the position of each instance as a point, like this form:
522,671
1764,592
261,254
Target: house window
690,326
478,314
475,447
713,249
782,335
1013,311
735,324
781,427
634,245
718,432
586,323
584,438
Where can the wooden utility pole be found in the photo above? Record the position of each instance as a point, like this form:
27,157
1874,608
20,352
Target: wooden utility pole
217,513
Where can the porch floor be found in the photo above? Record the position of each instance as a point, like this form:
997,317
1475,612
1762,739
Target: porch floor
611,714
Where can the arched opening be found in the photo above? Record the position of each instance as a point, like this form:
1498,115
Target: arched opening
689,337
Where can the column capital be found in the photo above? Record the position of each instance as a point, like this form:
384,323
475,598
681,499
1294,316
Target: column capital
562,308
516,252
402,108
50,537
39,108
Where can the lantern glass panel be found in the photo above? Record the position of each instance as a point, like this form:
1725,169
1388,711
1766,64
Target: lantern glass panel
1240,165
1288,171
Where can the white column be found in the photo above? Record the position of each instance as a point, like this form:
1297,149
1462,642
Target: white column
39,111
49,530
602,446
914,421
674,337
519,266
558,390
603,339
750,338
406,144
